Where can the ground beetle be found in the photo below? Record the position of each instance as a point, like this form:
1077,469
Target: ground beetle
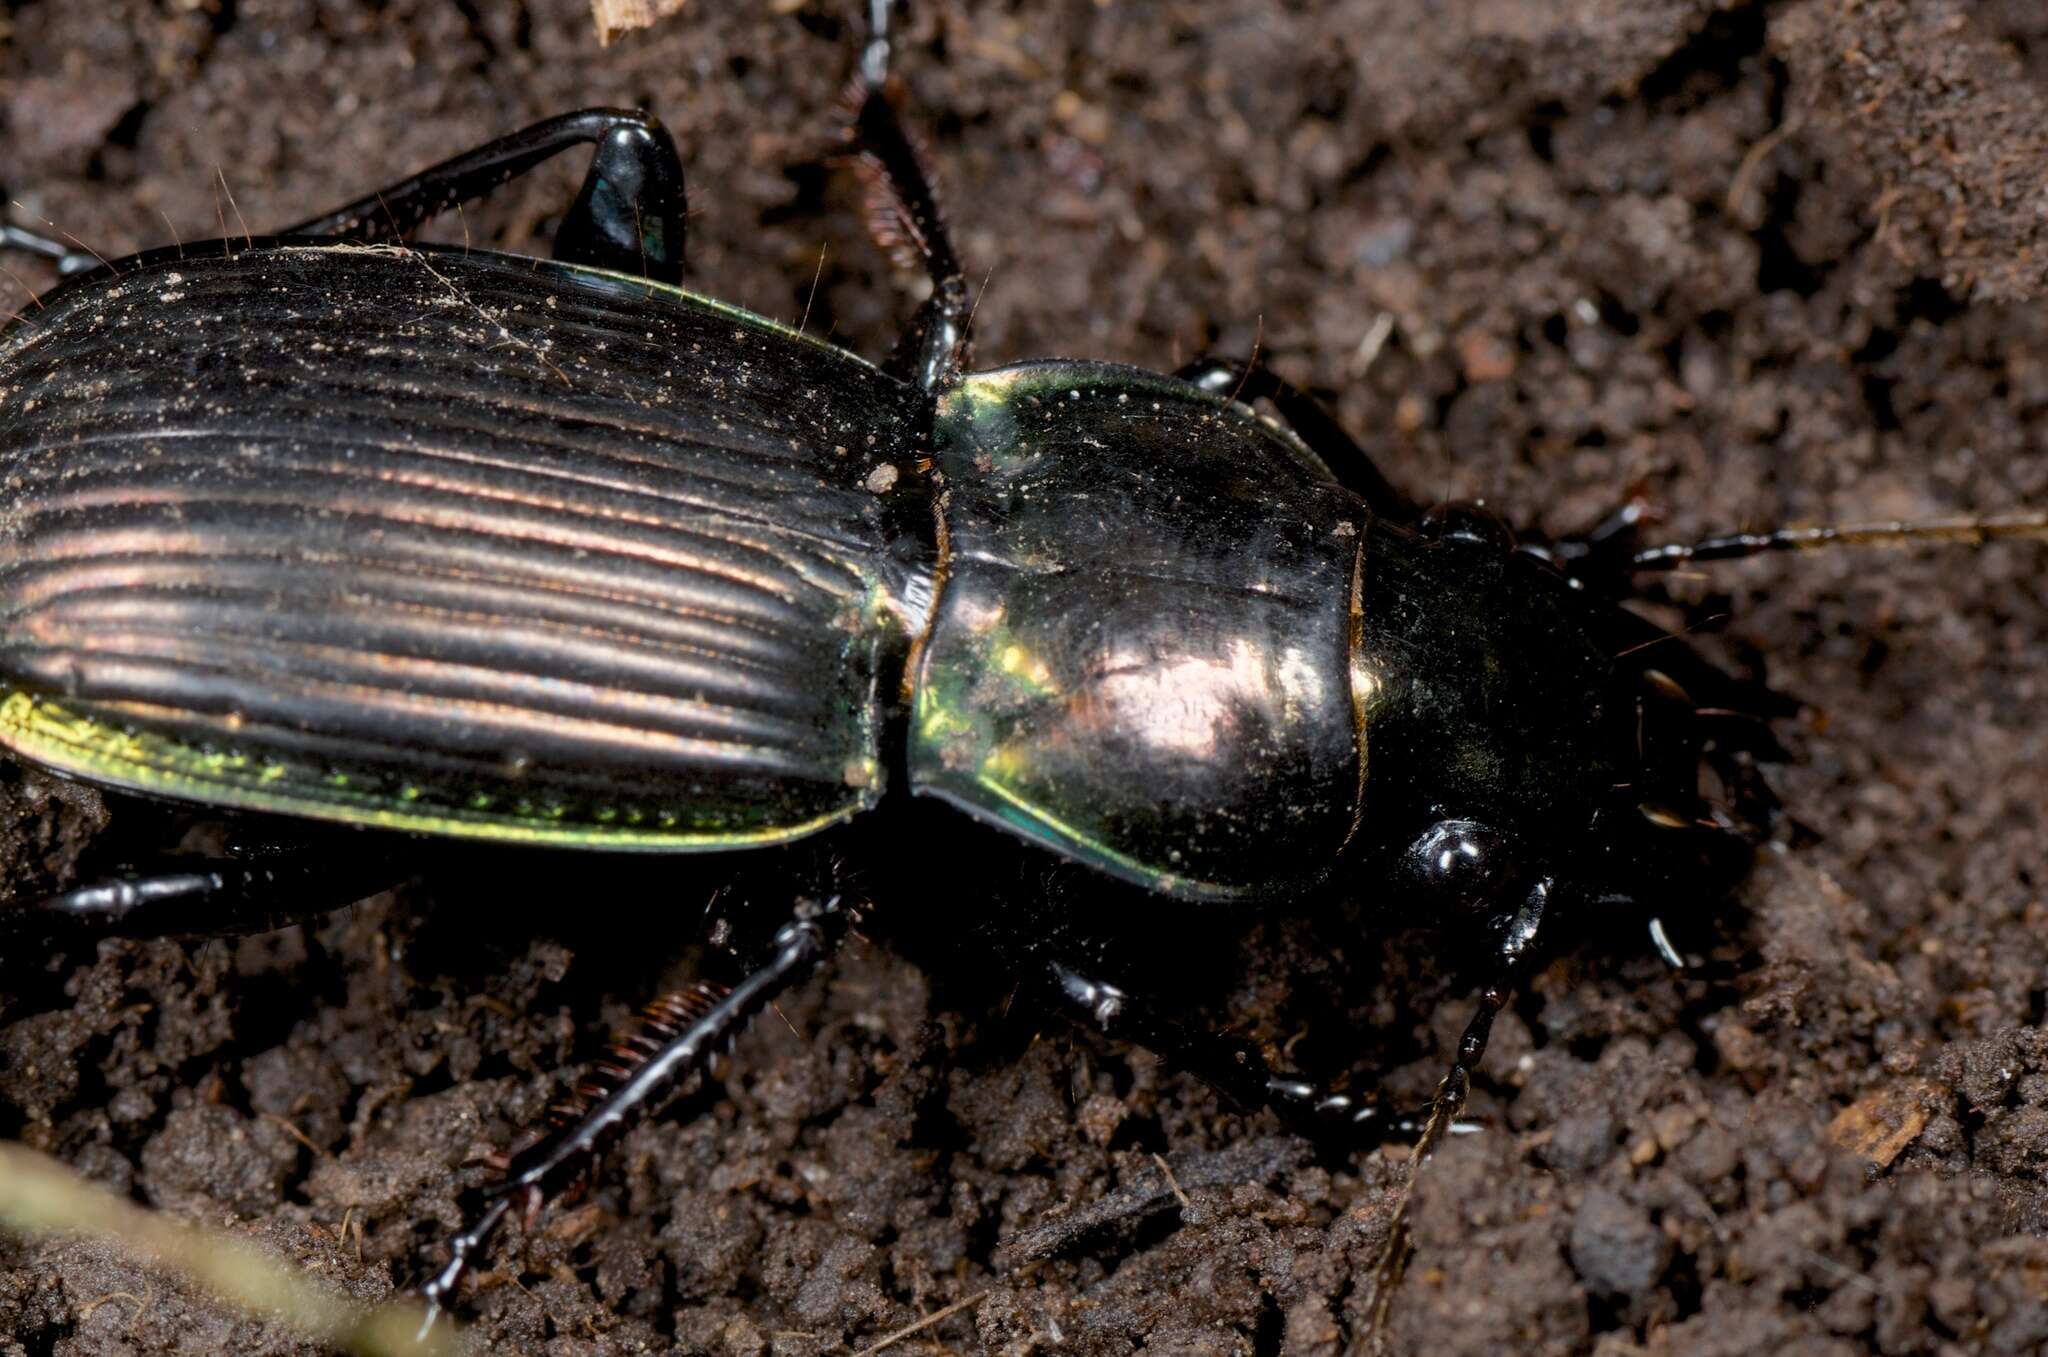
458,544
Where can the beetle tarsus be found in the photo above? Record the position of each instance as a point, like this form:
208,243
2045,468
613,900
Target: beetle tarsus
437,1291
1356,1124
874,58
1235,1068
206,897
682,1033
71,259
1516,951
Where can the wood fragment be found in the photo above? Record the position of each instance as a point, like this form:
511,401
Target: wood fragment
1881,1125
623,16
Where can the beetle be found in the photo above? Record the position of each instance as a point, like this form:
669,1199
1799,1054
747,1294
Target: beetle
457,545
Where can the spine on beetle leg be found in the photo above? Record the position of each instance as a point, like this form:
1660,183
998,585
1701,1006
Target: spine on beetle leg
678,1035
660,1023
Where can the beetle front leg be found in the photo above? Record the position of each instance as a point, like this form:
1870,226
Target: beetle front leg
628,217
680,1035
1315,426
1233,1067
1514,946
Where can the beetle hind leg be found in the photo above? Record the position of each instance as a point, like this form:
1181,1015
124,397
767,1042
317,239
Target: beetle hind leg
678,1036
628,217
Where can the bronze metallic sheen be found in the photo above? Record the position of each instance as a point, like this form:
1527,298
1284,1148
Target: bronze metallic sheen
1141,656
498,543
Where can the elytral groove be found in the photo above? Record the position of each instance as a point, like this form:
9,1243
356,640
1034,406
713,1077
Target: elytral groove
294,523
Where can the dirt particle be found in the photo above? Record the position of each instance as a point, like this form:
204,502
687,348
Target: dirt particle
1880,1126
1615,1246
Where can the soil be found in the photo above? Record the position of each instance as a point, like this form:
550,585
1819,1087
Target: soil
1769,262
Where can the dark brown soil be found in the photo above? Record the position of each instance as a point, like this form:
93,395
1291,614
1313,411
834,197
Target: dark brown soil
1772,261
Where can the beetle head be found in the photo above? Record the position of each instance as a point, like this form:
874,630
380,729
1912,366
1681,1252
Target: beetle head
1616,766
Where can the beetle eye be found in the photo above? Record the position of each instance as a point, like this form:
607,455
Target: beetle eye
1462,863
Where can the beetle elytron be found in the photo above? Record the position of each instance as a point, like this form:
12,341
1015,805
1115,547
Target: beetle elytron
459,544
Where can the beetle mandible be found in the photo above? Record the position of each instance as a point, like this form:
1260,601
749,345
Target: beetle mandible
296,556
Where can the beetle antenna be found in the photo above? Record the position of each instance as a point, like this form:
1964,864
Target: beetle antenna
1974,532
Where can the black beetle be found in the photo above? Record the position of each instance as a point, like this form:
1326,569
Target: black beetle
399,537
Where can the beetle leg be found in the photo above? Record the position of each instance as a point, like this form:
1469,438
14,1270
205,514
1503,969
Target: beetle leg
1234,1067
904,216
70,259
1514,947
1314,425
628,217
205,897
689,1031
1443,1120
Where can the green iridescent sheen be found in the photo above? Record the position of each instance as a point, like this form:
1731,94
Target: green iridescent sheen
139,760
1140,656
